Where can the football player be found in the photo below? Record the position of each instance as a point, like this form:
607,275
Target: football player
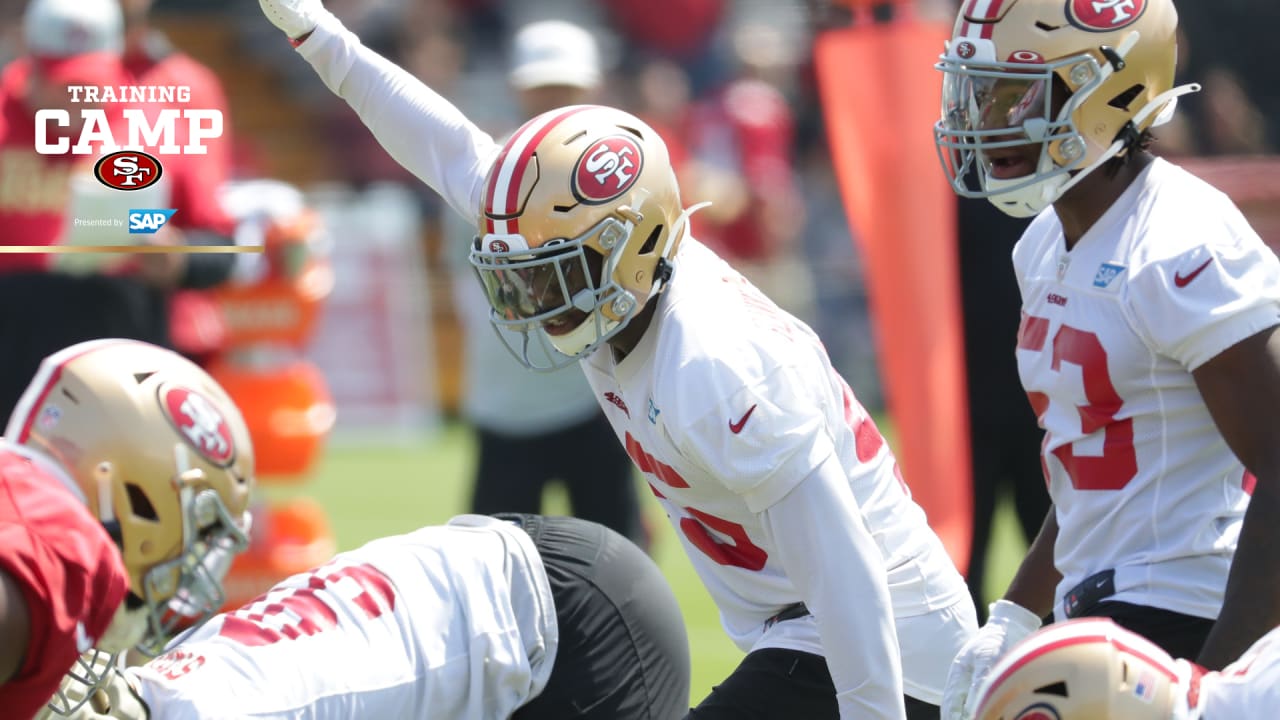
785,496
484,618
1148,345
1092,669
123,468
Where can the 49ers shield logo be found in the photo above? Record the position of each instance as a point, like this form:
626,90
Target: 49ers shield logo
128,170
200,423
1104,15
607,169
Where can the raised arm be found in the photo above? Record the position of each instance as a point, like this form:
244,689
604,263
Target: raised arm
420,129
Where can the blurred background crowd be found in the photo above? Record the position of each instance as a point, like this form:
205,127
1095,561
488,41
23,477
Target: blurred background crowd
731,85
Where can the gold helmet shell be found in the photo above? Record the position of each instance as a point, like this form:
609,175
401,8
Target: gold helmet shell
163,459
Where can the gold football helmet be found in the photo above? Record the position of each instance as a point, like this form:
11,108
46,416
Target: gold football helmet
1088,669
579,223
1081,80
162,458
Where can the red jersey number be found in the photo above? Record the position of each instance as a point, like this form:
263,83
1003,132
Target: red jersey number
304,611
698,526
1118,463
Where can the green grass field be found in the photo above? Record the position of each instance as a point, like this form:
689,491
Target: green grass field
371,491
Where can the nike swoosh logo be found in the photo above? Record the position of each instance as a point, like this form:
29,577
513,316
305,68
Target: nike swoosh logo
736,427
1184,280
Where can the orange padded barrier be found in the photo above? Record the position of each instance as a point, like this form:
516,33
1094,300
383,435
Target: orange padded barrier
880,98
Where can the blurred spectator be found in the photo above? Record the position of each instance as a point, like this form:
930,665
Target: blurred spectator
150,59
681,30
76,42
740,142
534,428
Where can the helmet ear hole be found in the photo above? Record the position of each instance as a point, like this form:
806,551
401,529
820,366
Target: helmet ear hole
651,242
140,504
1058,688
1126,98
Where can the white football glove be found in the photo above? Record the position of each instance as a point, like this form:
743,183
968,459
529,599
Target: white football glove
1007,624
295,17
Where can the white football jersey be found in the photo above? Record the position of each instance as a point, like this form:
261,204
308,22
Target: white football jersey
1140,477
725,405
1247,689
453,622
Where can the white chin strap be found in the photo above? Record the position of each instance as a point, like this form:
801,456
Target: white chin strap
1028,201
575,341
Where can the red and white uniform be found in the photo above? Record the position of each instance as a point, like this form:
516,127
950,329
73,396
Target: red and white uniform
69,569
1140,477
454,622
1247,689
733,412
801,503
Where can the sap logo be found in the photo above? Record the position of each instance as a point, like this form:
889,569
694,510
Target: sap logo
1107,273
147,222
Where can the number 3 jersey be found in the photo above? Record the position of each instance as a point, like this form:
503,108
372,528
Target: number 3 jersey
449,622
1141,479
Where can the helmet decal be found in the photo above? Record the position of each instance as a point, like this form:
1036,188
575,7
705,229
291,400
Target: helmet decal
200,423
1039,711
980,17
502,197
1104,15
607,169
1026,56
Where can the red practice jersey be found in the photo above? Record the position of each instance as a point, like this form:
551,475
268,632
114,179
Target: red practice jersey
71,574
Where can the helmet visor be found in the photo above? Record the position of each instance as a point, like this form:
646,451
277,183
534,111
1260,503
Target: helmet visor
993,103
535,285
545,296
999,122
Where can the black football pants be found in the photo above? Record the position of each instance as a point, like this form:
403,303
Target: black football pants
623,652
780,684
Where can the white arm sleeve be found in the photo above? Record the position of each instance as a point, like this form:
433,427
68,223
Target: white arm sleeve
831,558
420,129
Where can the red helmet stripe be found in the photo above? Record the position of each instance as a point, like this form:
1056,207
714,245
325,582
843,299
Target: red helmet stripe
508,172
993,12
981,10
24,415
1068,642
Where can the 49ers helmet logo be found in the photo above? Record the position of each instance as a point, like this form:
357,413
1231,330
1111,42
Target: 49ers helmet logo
1104,15
1039,711
128,170
607,169
200,423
